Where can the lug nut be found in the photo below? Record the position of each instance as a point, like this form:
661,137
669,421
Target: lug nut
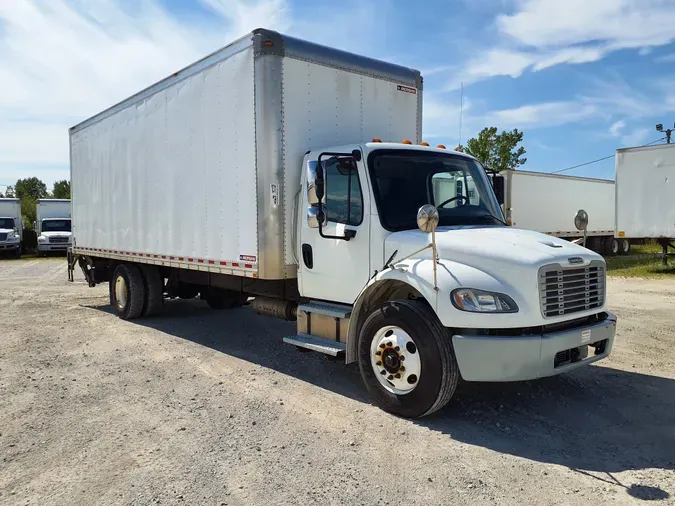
401,368
389,343
398,348
397,375
382,346
383,372
390,377
378,362
378,353
401,358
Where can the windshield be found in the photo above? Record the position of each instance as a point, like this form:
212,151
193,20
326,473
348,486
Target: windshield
56,226
6,222
403,181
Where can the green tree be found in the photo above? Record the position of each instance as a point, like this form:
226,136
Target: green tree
30,187
497,151
9,193
28,212
61,190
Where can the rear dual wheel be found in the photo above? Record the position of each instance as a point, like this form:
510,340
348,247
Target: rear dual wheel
406,359
136,291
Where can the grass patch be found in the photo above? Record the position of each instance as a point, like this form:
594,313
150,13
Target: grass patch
640,266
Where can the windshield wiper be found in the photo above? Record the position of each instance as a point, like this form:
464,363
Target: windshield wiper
491,217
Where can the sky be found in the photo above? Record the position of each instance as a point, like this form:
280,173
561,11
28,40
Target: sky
581,78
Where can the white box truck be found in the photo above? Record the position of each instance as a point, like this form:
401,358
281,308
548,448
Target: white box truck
11,227
548,203
645,194
53,226
246,174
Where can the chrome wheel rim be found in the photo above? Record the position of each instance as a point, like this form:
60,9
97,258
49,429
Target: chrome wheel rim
395,359
121,293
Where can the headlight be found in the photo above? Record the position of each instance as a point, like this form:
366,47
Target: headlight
10,234
480,301
42,238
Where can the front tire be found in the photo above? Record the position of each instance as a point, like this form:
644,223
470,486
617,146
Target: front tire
415,372
127,291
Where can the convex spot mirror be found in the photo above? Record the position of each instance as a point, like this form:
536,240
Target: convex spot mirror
427,218
581,220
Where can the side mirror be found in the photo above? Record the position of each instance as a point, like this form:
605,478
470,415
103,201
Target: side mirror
498,187
427,218
315,217
312,197
581,220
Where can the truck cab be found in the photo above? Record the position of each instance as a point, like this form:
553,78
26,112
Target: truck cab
395,234
10,236
54,235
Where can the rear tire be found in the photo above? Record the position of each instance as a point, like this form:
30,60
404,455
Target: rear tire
438,374
624,246
611,246
127,291
219,298
154,290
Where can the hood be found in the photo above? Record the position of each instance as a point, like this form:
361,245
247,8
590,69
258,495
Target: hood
57,234
488,247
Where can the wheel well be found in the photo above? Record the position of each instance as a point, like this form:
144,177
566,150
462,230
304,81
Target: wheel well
375,294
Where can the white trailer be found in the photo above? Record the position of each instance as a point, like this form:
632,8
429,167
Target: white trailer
250,174
11,227
548,203
53,225
645,194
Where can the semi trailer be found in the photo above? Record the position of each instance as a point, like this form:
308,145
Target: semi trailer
11,227
645,194
252,174
53,226
547,203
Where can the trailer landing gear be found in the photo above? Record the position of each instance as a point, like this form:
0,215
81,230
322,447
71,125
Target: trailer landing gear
665,243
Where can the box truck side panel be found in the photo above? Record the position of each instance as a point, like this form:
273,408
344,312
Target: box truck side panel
173,174
645,192
52,208
548,203
327,106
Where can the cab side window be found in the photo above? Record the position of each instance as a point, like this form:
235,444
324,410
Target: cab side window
344,201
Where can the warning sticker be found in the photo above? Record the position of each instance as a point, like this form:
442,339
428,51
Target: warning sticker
274,194
407,89
248,258
586,336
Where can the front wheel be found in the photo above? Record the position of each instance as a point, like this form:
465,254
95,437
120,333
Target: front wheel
406,359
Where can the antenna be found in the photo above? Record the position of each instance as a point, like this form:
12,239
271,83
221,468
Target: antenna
461,111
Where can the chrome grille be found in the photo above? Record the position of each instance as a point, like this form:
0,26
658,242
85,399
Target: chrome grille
59,239
566,290
3,236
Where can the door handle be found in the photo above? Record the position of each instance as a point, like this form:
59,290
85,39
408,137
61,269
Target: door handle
307,255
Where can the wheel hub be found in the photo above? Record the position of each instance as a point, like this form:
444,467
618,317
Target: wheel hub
395,360
121,292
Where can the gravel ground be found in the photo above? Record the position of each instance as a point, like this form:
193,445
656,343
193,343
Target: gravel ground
206,407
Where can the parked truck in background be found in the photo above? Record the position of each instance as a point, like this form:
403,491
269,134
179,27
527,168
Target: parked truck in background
249,174
11,227
547,203
645,194
53,226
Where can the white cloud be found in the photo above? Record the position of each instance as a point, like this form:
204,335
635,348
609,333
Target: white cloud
539,34
545,114
617,127
667,58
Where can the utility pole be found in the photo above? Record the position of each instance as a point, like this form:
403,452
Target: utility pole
669,131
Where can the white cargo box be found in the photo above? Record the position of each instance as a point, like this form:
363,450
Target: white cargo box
52,208
645,192
202,169
547,203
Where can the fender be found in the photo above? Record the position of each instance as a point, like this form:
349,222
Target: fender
413,277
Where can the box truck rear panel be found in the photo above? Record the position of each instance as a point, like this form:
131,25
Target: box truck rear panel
202,169
547,203
645,192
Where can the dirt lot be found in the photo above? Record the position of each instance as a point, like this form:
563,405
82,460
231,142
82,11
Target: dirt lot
205,407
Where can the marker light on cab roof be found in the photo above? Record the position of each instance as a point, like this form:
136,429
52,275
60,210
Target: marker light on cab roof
406,141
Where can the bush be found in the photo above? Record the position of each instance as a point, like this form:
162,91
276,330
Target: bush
29,240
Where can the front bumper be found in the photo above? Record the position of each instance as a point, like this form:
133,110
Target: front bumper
10,246
507,358
53,247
